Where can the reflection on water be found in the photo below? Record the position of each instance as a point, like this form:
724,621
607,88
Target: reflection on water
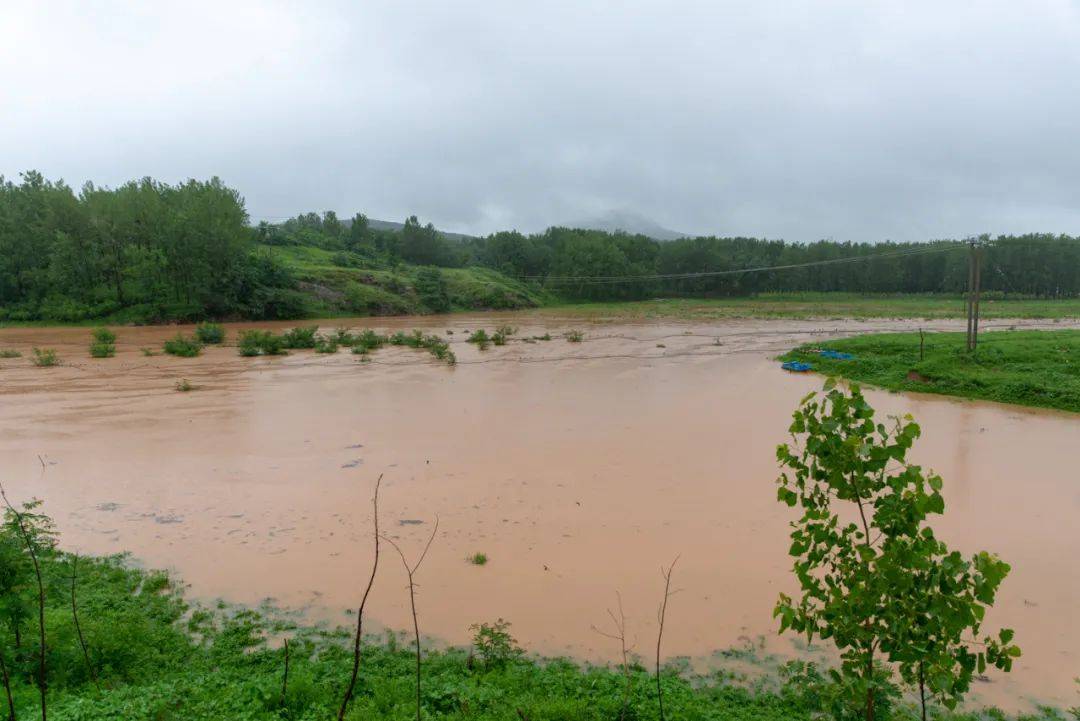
577,468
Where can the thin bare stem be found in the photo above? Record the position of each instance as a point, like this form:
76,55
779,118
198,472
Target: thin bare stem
410,571
42,686
78,628
620,636
285,676
660,616
360,612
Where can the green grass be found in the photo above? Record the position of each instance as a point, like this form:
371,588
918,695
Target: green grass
1029,368
478,559
816,305
158,658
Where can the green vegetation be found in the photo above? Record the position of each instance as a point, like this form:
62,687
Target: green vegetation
326,345
103,343
150,252
45,357
184,385
479,338
210,333
148,352
300,337
261,342
883,589
478,559
182,346
574,336
1030,368
9,353
816,305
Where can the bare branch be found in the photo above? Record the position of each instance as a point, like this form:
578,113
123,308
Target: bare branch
359,613
660,616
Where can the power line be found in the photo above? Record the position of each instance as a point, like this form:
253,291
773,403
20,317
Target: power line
605,279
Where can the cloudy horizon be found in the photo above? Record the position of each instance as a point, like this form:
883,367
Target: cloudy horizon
798,120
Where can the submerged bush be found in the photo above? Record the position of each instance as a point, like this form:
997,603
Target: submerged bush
260,342
10,353
103,344
480,338
326,345
300,337
45,357
574,336
182,346
210,333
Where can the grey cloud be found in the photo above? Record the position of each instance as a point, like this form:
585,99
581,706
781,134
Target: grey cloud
850,120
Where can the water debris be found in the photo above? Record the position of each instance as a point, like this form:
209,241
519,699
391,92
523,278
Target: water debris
108,506
353,463
170,518
410,522
354,445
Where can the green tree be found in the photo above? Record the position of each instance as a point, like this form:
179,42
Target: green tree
881,587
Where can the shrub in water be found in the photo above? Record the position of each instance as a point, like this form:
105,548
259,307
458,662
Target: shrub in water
300,337
182,346
103,344
10,353
326,345
261,342
574,336
184,385
368,340
210,333
480,338
45,357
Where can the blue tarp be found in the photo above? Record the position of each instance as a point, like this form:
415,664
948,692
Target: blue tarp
836,355
797,366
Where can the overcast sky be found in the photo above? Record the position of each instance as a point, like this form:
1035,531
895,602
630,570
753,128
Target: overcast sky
858,120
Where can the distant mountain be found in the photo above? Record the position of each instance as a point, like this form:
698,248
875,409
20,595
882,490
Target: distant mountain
628,222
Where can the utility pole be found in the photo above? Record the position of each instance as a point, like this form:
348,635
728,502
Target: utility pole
974,291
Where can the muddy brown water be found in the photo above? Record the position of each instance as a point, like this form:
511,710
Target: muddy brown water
579,469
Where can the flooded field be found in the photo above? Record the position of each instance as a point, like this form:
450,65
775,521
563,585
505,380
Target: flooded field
577,468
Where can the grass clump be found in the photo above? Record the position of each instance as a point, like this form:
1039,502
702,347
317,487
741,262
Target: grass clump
184,385
9,353
182,346
326,345
45,358
574,336
502,333
478,559
1029,368
210,333
102,343
260,342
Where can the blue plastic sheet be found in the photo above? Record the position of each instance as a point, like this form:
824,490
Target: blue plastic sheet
836,355
797,366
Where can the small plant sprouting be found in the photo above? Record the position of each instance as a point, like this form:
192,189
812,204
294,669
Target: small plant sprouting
574,336
184,385
45,358
210,333
478,559
10,353
182,346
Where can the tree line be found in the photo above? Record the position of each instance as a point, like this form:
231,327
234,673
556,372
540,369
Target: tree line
148,251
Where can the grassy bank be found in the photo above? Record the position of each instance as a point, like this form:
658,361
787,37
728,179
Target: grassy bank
156,657
817,305
1029,368
337,284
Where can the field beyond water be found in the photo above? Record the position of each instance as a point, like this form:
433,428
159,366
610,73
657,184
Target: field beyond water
825,306
1029,368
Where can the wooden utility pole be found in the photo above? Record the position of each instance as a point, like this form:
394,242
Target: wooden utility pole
974,291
